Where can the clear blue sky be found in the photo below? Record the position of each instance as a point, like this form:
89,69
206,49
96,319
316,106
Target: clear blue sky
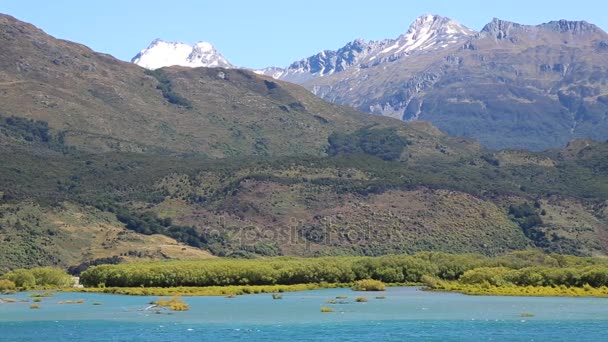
262,33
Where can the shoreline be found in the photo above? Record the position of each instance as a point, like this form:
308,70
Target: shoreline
238,290
520,291
205,291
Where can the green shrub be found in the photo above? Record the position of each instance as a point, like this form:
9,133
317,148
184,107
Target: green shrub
22,278
530,276
7,285
369,285
326,309
491,275
174,303
51,276
432,283
39,276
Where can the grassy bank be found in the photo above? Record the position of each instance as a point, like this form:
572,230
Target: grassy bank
186,291
454,286
529,291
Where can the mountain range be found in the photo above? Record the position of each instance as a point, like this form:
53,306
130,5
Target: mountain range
508,86
106,161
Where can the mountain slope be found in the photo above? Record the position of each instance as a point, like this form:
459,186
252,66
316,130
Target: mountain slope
69,234
163,54
105,159
98,103
521,86
439,197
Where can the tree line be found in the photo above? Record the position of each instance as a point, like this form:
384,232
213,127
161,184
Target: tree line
389,269
595,276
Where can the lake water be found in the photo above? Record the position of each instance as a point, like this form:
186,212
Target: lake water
406,314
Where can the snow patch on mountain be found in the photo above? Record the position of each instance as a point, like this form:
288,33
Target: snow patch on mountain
274,72
161,54
427,33
430,31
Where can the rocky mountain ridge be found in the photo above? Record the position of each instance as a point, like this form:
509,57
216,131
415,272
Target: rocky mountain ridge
427,33
508,85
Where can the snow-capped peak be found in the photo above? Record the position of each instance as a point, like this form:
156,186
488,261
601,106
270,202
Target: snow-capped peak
161,54
428,32
436,22
203,46
431,31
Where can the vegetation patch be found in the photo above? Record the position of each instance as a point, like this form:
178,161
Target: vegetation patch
361,299
518,273
383,143
270,275
225,291
326,309
588,281
270,271
369,285
38,277
33,131
173,303
527,217
76,270
42,295
159,195
7,285
166,88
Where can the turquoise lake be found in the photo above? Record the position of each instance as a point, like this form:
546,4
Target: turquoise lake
407,314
